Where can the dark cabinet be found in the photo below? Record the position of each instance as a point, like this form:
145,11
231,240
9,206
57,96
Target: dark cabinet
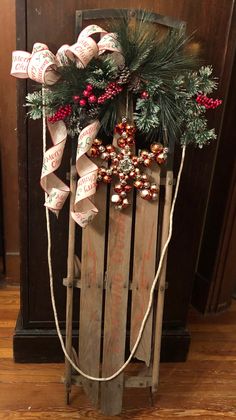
215,279
53,23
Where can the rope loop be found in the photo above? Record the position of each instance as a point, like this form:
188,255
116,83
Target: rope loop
149,307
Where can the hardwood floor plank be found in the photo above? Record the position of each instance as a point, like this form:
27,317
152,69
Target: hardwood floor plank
7,323
74,414
203,387
11,372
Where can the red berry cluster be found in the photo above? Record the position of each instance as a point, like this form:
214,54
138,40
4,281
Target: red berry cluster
208,103
61,114
88,97
111,91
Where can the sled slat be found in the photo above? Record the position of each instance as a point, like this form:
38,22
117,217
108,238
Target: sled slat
119,239
91,296
69,289
162,282
130,381
145,240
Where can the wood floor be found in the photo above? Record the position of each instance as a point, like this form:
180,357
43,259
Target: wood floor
203,387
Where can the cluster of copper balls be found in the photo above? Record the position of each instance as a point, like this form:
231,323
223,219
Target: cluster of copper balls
123,164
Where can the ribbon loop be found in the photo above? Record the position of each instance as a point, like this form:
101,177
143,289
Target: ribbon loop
20,63
84,51
41,66
61,56
91,30
109,42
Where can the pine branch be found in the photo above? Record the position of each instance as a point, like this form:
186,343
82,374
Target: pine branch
159,65
146,116
34,101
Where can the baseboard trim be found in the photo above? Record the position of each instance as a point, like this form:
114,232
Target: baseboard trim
43,346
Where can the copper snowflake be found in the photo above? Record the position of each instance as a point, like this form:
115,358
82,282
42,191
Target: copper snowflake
123,164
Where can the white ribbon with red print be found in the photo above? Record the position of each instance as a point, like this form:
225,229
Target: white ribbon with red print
56,189
84,209
41,66
86,48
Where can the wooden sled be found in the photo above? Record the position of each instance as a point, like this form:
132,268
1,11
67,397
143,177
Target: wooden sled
120,254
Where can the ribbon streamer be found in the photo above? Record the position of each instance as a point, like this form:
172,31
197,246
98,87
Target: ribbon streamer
84,209
56,189
41,66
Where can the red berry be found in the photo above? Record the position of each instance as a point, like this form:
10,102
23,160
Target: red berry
61,114
92,99
89,88
208,103
144,94
86,93
82,102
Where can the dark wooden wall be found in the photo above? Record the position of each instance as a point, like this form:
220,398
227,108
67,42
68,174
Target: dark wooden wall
8,140
215,278
52,22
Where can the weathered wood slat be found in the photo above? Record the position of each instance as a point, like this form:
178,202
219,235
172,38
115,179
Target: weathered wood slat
120,225
70,275
129,382
145,239
162,279
77,284
91,295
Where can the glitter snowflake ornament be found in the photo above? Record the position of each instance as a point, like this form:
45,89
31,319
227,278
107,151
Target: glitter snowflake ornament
125,165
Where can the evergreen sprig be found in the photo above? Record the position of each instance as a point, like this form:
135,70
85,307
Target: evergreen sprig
34,102
146,116
155,63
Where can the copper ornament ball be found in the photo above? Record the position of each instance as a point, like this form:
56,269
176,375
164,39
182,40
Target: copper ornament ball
123,194
144,154
147,162
144,178
156,147
138,184
121,142
102,170
97,142
146,185
110,148
125,203
115,198
160,159
118,188
128,188
107,179
121,175
93,152
105,156
144,194
130,141
154,196
154,188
